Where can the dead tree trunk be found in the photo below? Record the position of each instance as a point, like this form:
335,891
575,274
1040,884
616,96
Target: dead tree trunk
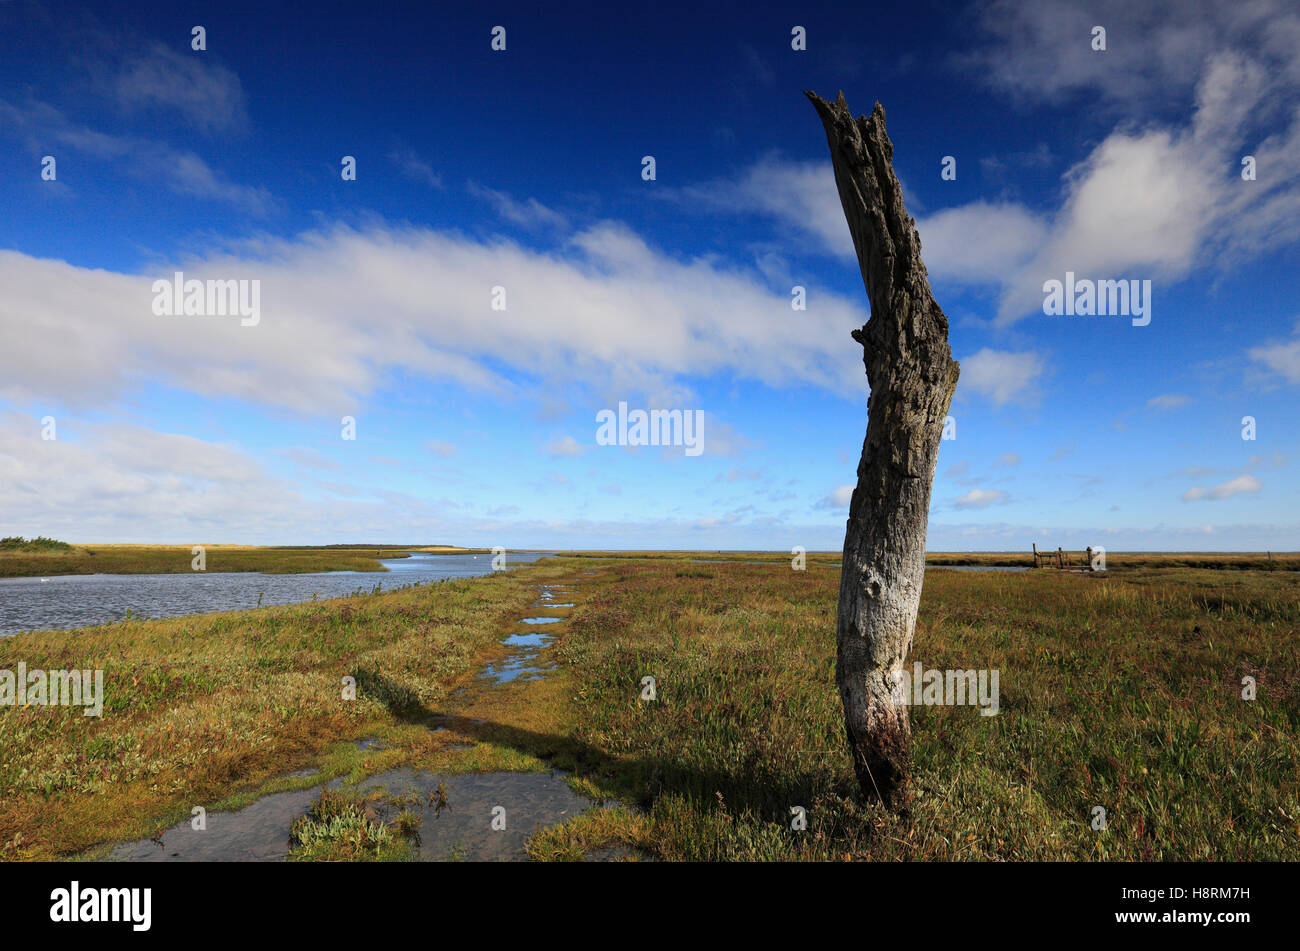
912,376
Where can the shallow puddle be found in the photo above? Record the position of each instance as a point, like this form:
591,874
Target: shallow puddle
526,640
521,664
257,833
463,829
517,803
522,802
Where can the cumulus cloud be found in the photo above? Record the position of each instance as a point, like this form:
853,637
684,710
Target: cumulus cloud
980,498
980,243
107,477
1002,376
1280,357
837,498
1152,200
1149,201
798,193
342,309
1242,485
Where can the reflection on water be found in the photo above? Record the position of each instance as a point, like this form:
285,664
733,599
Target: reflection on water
523,662
256,833
521,665
525,640
463,829
30,604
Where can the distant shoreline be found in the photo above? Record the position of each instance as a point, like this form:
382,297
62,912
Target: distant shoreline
181,559
296,559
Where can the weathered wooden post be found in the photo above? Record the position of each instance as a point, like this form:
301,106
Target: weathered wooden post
912,376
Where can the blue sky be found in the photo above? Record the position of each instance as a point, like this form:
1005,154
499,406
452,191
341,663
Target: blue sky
522,169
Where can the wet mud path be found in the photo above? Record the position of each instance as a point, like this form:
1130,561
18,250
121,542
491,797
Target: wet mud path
471,816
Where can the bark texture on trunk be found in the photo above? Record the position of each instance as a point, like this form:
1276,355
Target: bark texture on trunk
912,376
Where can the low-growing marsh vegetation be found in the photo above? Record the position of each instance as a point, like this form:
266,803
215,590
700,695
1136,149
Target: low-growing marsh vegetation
347,827
209,709
1123,692
1118,690
1115,561
26,562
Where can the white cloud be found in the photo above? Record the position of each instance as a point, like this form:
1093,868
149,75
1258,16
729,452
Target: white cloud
980,498
342,309
1009,237
1168,401
837,498
206,93
568,446
721,440
1150,201
117,477
1281,358
110,482
802,194
1007,460
414,167
41,126
1275,461
1042,51
1243,484
527,214
1001,376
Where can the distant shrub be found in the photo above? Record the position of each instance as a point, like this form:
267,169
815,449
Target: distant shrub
40,543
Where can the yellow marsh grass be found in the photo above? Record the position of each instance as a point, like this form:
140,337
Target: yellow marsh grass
199,707
1119,691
